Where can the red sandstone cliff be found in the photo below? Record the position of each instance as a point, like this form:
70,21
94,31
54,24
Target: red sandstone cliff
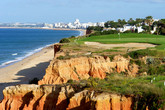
60,71
49,97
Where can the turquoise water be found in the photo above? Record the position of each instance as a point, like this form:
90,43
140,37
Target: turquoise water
17,44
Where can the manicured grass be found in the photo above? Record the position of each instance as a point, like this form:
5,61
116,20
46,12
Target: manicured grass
127,38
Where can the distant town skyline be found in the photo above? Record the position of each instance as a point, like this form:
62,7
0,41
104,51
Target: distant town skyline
51,11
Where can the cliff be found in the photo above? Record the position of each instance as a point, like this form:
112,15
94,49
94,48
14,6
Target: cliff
58,97
60,71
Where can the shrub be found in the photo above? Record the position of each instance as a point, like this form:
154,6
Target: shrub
64,40
97,33
60,57
163,60
156,69
111,57
141,53
144,32
109,32
129,31
72,37
70,81
95,28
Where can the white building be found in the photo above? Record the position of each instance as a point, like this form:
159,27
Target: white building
140,29
77,25
154,30
100,24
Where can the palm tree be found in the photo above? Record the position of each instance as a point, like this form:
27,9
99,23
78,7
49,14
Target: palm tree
158,26
149,20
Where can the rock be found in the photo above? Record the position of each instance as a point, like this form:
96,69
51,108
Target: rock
59,97
102,101
80,101
60,71
57,47
35,97
133,69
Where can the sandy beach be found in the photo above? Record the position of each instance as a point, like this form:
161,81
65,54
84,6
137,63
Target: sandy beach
25,70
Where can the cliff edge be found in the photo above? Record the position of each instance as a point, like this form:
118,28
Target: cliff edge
60,71
59,97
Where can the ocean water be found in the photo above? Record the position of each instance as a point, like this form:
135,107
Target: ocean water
17,44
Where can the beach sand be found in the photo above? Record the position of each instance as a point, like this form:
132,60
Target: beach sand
27,69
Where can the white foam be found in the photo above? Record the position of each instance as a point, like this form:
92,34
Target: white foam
22,57
7,63
14,54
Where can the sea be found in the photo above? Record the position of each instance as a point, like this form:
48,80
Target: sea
17,44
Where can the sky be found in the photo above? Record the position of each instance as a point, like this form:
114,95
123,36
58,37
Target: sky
51,11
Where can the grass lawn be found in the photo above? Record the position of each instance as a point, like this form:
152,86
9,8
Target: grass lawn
127,38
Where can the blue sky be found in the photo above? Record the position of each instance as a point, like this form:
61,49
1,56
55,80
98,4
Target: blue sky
51,11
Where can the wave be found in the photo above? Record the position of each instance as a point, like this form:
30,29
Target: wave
14,54
7,63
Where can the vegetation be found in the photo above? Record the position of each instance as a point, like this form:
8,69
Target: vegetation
142,53
141,87
114,24
95,28
107,50
64,40
160,26
104,32
146,90
147,24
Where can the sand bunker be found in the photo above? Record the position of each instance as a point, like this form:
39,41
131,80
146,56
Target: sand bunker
126,45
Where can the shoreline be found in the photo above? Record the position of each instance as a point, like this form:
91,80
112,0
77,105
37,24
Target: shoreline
42,28
27,69
11,62
33,66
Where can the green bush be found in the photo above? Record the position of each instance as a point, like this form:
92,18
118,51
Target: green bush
142,53
109,32
97,33
70,81
156,69
95,28
64,40
129,31
72,37
60,57
144,32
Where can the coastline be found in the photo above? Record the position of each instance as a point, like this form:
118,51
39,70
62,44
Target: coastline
11,62
42,28
33,66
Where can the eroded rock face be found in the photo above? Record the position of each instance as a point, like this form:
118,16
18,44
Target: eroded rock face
60,71
57,97
35,97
